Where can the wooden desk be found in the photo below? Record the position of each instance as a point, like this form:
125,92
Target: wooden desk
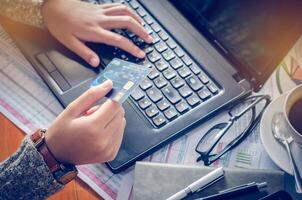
10,140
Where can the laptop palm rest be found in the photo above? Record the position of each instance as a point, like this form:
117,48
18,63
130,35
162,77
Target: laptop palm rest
66,72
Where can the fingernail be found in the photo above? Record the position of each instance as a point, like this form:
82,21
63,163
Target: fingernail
94,61
141,54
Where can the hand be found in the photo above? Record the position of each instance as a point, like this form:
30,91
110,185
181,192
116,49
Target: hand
84,134
73,23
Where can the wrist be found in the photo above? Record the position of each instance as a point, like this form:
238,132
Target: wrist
53,146
63,173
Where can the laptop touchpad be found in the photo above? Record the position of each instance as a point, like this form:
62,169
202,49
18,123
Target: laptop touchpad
73,72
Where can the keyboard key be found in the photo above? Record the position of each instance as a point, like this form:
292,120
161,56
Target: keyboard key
213,88
168,55
161,46
146,63
171,44
195,68
184,72
130,34
194,83
154,56
153,74
144,103
134,4
204,93
187,60
177,82
185,91
170,113
148,19
169,73
161,65
149,49
154,94
176,63
155,27
159,120
146,84
137,94
182,107
163,104
163,35
152,111
193,100
138,41
155,38
171,94
160,82
203,77
179,52
148,29
141,12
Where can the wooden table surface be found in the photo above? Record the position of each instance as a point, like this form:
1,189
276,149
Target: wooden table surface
10,140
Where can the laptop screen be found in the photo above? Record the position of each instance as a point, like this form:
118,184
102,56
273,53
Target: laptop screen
256,33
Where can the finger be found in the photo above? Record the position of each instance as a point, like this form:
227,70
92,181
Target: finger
87,99
114,39
127,22
109,5
106,112
78,47
122,10
91,110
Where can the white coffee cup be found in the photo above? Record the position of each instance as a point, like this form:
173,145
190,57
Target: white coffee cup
292,97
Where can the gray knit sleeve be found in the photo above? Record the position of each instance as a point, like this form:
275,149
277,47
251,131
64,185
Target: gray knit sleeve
24,175
24,11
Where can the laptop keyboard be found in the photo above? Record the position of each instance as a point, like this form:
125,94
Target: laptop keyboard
176,83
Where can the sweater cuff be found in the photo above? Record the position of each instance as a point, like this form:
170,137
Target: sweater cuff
26,175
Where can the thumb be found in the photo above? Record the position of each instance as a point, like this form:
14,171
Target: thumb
89,98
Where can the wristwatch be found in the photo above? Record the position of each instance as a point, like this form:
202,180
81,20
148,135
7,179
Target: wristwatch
63,173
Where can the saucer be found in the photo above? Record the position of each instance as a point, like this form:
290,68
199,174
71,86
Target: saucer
274,149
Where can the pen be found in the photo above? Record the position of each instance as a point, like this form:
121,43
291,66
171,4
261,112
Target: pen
246,188
199,184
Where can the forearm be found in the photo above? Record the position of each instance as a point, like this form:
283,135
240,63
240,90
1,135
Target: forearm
25,175
24,11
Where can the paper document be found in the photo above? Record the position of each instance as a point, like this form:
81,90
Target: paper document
28,102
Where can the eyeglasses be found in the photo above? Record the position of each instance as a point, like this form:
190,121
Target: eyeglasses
242,122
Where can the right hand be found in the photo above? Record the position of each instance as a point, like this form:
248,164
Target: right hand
74,22
84,134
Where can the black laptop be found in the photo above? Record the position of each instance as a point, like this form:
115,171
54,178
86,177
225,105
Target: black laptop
206,55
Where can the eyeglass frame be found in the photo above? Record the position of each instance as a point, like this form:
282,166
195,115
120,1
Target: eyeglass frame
206,155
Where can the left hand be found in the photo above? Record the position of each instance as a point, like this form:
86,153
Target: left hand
74,22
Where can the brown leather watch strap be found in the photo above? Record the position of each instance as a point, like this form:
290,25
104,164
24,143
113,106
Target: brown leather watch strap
38,139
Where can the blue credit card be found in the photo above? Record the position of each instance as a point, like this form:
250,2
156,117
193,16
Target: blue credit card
126,76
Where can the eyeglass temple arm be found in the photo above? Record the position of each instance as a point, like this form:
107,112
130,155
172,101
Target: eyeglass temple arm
251,106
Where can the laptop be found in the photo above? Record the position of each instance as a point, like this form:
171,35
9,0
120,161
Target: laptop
205,56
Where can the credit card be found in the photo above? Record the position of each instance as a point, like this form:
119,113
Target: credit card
126,76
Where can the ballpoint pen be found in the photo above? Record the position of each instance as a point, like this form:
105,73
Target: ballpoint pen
246,188
201,183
